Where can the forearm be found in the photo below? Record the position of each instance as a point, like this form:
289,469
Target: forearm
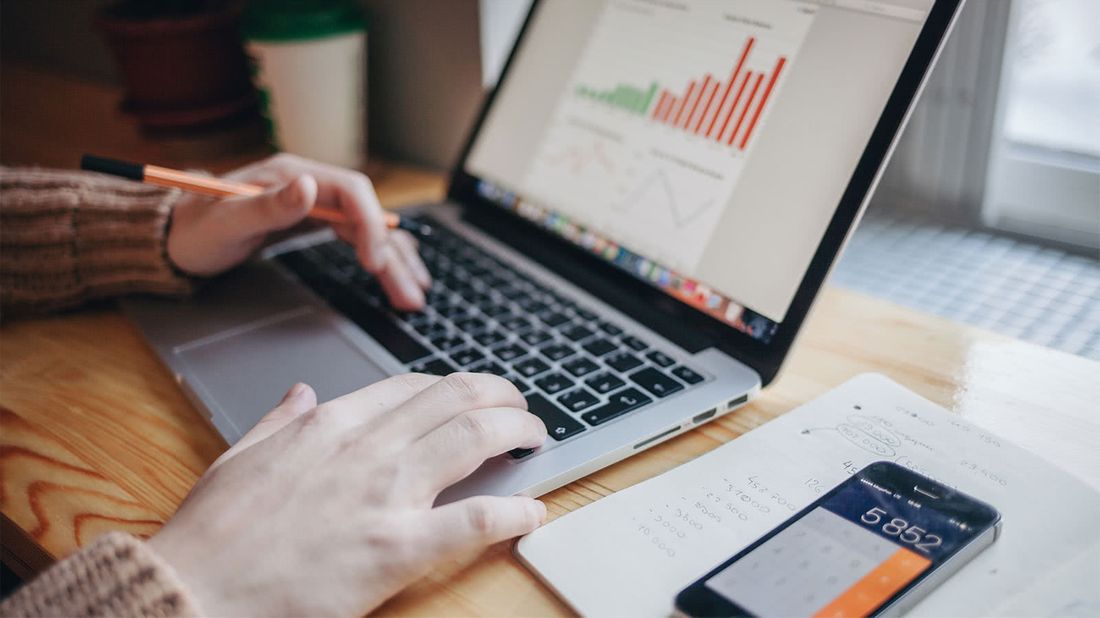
70,237
117,575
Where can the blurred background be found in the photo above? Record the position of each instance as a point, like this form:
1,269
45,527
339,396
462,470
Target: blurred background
989,212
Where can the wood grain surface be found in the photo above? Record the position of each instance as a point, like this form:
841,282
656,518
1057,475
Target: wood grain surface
96,436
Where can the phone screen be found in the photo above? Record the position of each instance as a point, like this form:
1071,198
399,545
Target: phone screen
848,555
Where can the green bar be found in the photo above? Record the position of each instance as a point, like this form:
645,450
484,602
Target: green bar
620,94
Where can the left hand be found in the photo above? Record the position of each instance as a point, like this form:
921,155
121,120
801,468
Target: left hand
209,236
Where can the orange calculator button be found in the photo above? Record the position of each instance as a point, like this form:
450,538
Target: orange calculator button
877,586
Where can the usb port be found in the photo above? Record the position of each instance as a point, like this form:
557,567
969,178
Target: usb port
705,416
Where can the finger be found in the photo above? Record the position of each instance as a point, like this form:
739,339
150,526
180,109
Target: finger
372,402
297,401
353,194
475,523
452,451
446,399
399,284
273,210
408,249
346,190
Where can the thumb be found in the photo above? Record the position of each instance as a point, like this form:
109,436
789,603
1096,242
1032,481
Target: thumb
277,209
297,401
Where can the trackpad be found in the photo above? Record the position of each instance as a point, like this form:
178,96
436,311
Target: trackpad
241,376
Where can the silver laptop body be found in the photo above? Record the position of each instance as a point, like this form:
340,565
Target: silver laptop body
624,369
251,334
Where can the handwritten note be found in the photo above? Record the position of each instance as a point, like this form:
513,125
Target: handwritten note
630,553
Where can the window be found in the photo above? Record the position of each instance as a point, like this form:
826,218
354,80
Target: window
1044,160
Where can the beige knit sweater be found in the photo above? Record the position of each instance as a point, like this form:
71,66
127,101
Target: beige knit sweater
117,575
65,238
70,237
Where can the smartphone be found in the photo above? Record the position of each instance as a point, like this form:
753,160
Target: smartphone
872,546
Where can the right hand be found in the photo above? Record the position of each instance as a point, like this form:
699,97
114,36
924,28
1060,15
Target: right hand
209,235
327,510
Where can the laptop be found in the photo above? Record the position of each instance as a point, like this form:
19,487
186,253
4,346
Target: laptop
634,234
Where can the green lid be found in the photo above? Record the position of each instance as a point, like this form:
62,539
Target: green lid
292,20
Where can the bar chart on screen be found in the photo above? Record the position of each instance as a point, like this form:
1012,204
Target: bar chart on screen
662,111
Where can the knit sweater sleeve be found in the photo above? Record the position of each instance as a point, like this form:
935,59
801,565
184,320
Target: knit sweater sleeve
70,237
117,575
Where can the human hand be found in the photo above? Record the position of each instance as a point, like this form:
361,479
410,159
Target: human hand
327,510
210,235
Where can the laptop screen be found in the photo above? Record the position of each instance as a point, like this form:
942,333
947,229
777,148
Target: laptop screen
700,145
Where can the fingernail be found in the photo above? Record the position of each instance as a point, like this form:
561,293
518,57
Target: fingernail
539,508
295,392
413,291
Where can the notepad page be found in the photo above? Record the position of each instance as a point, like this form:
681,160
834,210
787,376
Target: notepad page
629,554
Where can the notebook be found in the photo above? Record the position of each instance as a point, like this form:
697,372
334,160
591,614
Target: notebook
629,554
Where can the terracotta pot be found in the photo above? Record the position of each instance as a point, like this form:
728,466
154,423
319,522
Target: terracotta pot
179,71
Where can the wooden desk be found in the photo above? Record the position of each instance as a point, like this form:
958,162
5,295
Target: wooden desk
95,435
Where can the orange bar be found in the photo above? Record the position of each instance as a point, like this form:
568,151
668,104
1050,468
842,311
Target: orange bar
706,108
745,110
695,106
874,588
763,100
668,109
736,100
657,109
687,99
732,81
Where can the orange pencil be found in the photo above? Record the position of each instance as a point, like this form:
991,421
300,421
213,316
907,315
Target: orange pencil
216,187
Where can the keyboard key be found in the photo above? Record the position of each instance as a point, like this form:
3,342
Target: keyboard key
494,310
431,330
453,312
436,367
515,323
610,328
470,325
557,351
622,361
604,383
599,347
554,319
585,314
687,375
535,337
554,383
448,342
660,358
532,305
634,343
465,357
577,332
656,382
578,400
530,367
620,403
580,366
558,424
490,338
509,352
490,367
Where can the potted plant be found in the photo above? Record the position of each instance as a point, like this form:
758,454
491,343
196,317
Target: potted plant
181,61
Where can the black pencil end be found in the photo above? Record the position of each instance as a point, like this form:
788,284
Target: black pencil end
114,167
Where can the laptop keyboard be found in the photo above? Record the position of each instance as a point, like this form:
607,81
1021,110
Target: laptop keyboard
576,370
